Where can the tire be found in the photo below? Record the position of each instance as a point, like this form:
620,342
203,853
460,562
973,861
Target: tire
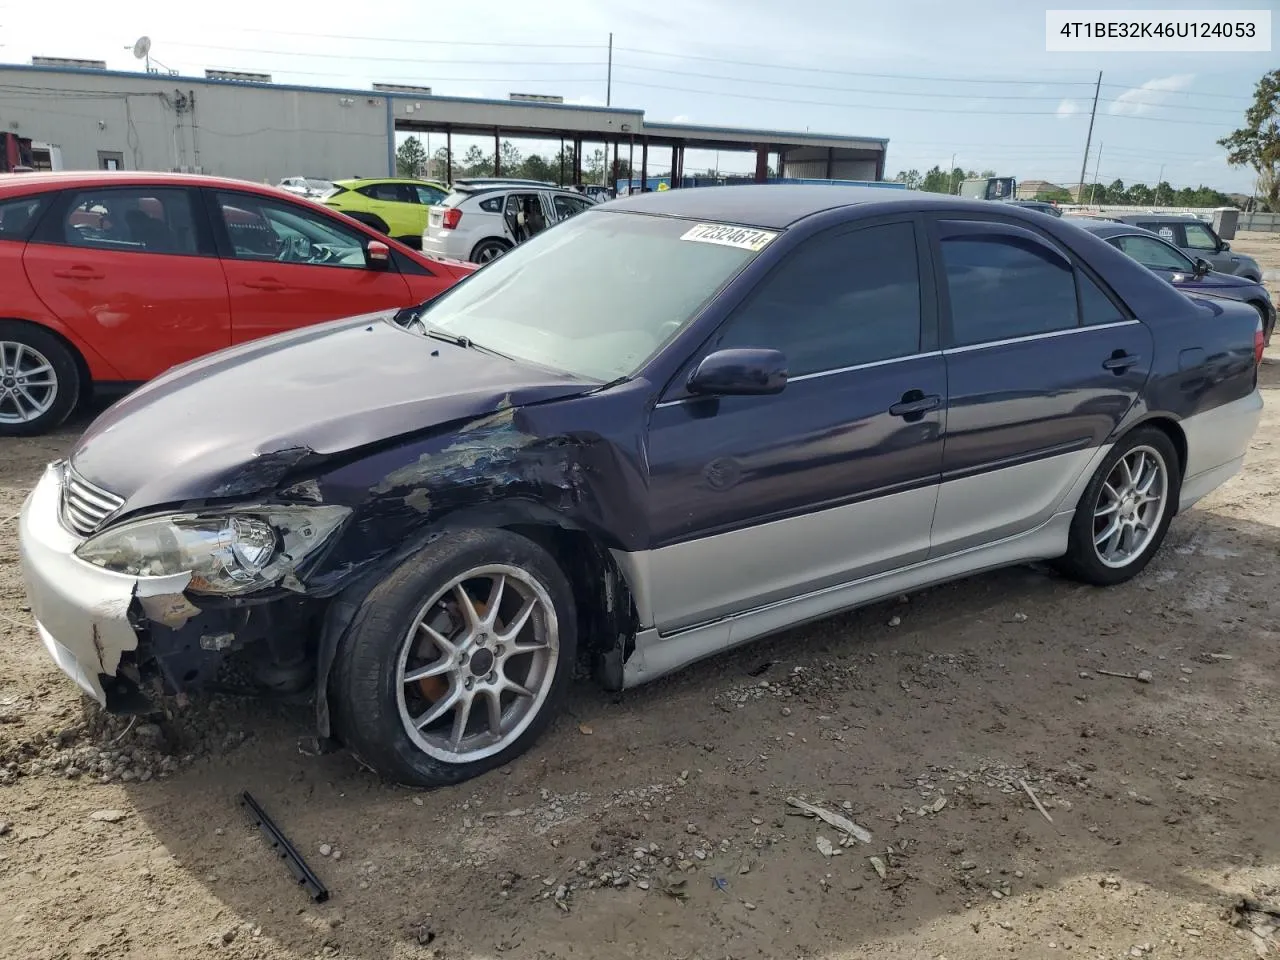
375,709
1084,559
487,250
37,370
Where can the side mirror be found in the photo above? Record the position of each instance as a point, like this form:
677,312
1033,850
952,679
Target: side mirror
1223,245
377,255
1203,266
739,373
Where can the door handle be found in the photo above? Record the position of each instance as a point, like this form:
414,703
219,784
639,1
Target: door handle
914,403
79,272
1120,361
266,283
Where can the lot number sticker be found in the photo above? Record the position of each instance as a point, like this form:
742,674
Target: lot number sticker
744,238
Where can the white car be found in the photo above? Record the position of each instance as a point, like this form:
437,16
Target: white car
313,188
482,222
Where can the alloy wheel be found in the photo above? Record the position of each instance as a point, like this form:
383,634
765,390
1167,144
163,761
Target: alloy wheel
1130,506
28,383
477,664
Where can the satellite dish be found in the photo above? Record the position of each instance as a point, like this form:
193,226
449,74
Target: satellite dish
142,47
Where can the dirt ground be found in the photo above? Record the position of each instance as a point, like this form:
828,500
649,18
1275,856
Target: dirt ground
656,824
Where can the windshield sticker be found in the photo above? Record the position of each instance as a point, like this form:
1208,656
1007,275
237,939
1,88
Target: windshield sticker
744,238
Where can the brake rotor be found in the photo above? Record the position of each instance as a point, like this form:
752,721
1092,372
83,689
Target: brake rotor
433,688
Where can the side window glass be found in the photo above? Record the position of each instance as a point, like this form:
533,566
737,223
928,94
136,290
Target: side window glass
1163,230
404,193
566,207
18,217
1005,285
837,302
140,220
1095,306
262,229
1199,237
428,196
492,205
1152,253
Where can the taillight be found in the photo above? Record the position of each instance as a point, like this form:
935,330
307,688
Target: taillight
452,217
1259,342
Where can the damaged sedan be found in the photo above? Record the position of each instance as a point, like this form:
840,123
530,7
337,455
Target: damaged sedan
673,424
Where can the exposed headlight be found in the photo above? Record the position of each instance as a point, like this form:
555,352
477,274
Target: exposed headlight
227,553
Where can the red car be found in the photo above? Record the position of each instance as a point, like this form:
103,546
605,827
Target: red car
110,279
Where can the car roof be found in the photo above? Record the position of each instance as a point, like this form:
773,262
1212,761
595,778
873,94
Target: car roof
356,182
1159,217
16,184
1110,228
778,205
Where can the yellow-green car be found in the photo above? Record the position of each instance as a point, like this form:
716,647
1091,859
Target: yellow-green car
393,205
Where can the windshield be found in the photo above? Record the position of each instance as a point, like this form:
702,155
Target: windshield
597,295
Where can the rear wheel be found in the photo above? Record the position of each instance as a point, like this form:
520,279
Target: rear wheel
1125,512
39,380
369,220
457,661
487,250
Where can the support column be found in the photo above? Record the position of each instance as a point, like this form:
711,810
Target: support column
675,156
561,180
577,160
497,153
762,164
631,162
644,163
831,157
613,183
448,155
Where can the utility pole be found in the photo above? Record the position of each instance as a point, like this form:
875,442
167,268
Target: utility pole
608,84
1159,180
1084,166
1093,186
951,174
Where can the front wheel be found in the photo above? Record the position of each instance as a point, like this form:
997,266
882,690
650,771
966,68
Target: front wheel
488,250
457,661
1125,512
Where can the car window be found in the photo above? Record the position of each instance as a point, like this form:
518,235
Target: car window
428,196
1095,306
18,217
1005,284
837,302
263,229
135,219
1154,254
405,193
1199,237
566,207
597,296
1164,230
491,205
384,191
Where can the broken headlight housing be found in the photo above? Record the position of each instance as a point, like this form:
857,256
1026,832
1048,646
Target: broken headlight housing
227,553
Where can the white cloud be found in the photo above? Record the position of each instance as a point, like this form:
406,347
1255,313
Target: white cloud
585,101
1154,93
681,118
1068,108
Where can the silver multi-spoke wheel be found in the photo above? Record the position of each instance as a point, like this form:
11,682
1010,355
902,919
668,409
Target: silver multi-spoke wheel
28,383
1131,504
478,663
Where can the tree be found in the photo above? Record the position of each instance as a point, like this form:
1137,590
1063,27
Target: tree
911,178
957,177
1054,196
1257,143
1140,195
988,174
477,163
439,167
411,158
1163,195
936,181
1116,192
511,158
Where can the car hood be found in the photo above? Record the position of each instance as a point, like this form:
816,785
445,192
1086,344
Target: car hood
1214,282
235,422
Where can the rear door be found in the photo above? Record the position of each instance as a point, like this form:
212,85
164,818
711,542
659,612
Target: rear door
288,265
133,271
565,206
1042,365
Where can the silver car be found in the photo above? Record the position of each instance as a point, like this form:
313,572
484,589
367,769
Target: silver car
482,221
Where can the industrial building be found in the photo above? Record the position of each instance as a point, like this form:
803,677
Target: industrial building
245,126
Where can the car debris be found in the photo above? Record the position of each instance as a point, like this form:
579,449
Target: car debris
879,866
280,843
834,819
1034,799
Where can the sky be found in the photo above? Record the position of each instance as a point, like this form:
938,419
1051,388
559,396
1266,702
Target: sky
971,80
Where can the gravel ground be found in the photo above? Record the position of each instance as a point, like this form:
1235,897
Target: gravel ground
657,824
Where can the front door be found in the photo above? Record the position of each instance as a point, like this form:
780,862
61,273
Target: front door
757,499
289,266
1203,242
133,271
1042,365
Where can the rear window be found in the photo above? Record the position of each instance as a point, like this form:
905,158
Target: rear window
456,199
18,217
